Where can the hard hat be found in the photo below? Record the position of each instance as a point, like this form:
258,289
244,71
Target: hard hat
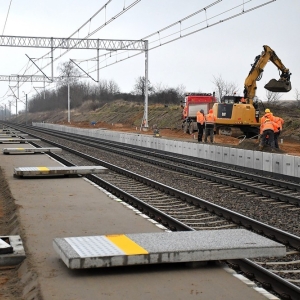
210,111
267,110
202,111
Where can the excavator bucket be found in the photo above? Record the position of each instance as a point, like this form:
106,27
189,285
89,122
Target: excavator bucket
278,86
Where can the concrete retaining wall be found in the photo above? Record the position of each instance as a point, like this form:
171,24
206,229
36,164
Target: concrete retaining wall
284,164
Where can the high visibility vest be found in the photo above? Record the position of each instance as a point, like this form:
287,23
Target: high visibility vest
279,121
266,116
267,125
210,119
200,118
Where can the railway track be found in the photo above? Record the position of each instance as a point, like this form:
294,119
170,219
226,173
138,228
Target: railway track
179,210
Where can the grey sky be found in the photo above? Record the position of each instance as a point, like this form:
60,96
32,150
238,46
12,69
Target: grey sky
227,49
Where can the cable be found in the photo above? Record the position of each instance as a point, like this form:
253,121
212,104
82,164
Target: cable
6,17
187,34
106,23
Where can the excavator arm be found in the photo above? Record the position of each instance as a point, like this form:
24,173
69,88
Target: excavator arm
282,85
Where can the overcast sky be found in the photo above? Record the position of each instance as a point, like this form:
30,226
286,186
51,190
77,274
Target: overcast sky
226,49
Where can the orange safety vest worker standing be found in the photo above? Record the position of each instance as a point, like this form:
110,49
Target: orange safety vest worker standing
209,126
277,129
200,124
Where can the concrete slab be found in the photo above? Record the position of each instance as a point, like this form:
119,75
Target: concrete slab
267,162
30,150
297,166
16,253
5,247
219,153
233,156
248,156
288,165
16,140
226,155
258,160
240,157
155,248
212,152
37,171
277,166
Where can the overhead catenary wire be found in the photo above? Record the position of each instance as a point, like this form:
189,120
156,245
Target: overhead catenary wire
182,30
6,17
90,34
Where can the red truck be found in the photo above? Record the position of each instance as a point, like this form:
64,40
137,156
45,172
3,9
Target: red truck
192,103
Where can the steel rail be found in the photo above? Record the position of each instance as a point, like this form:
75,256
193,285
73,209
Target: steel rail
268,279
202,174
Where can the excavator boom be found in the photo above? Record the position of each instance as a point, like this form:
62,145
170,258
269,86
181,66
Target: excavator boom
283,85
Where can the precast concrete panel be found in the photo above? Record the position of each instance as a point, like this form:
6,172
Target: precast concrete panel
226,155
205,152
175,149
186,148
194,149
163,144
180,147
200,151
288,165
211,152
258,160
148,142
267,162
155,144
219,153
249,158
277,163
233,156
240,157
297,166
122,138
143,142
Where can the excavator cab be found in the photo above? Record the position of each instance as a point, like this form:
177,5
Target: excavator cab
278,86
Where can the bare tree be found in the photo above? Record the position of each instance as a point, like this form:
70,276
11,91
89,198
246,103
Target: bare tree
140,86
272,98
224,88
68,73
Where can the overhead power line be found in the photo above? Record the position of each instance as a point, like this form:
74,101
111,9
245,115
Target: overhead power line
160,39
6,17
90,34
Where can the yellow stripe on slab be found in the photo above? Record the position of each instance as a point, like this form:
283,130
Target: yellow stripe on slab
43,169
126,244
21,149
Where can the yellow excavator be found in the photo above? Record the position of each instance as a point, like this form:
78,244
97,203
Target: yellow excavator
240,115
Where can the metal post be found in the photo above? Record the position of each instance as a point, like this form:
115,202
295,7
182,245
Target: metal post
18,97
5,113
52,58
45,90
9,110
68,100
26,109
145,121
98,68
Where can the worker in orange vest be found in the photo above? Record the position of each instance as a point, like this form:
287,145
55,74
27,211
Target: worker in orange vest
277,129
210,120
200,124
267,132
267,115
